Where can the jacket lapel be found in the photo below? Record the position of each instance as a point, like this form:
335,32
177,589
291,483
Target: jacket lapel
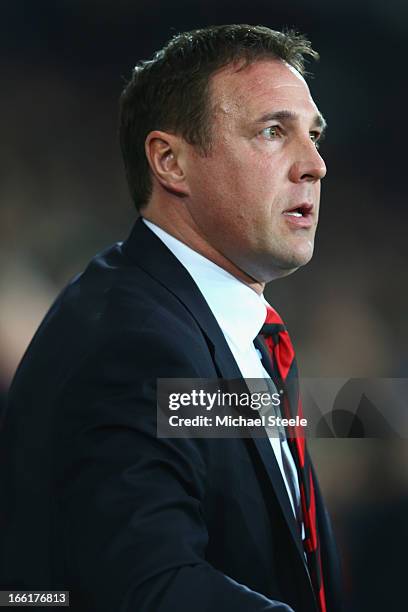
151,254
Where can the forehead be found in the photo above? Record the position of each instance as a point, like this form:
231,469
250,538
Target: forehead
259,88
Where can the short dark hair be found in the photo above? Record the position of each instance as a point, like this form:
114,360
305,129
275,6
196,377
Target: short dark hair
170,92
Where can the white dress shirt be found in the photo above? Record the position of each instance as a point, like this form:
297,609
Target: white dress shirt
240,313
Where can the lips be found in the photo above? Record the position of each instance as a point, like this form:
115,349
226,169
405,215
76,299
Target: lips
300,215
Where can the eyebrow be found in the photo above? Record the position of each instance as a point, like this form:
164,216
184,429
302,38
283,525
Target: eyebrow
286,115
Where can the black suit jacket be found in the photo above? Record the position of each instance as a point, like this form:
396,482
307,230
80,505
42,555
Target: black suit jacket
93,502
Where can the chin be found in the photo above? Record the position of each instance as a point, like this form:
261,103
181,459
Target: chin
303,255
269,266
290,264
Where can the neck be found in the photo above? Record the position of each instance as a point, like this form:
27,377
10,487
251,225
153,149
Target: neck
191,237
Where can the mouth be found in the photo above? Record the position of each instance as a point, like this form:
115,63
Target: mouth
300,216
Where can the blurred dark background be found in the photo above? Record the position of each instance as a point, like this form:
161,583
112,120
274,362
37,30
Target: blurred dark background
63,197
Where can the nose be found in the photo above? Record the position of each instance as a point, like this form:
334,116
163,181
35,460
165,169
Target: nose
310,167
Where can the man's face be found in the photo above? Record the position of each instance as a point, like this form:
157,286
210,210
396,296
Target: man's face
255,197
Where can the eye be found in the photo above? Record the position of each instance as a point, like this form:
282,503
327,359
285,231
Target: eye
316,137
271,132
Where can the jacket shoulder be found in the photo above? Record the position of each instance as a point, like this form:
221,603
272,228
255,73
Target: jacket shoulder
113,303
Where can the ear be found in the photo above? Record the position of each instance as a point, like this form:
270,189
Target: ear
165,156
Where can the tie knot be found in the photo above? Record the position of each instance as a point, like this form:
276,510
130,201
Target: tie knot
272,329
272,316
273,325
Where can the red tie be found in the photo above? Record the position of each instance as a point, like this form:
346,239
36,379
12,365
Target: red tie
284,364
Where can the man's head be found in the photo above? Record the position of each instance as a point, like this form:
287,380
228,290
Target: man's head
218,134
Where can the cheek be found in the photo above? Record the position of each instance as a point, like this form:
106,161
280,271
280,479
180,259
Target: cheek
239,177
256,184
216,180
237,181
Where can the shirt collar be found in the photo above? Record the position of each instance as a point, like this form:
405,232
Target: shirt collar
240,312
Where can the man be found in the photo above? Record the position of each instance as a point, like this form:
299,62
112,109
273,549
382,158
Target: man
219,136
